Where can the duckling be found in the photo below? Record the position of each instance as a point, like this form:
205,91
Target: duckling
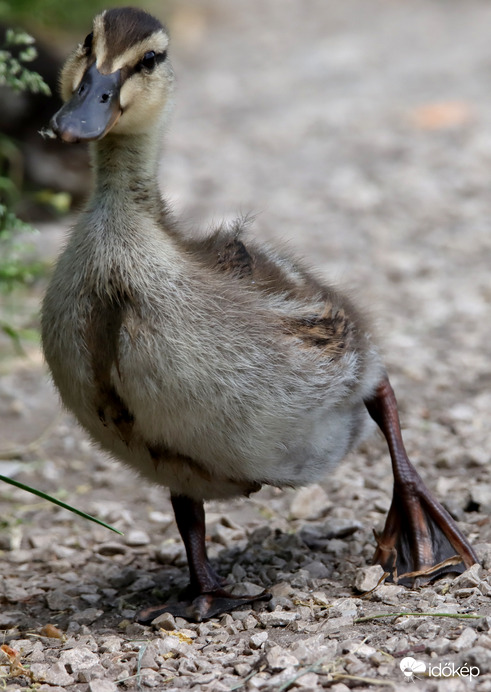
216,366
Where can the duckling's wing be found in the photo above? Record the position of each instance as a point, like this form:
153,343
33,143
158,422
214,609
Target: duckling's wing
308,312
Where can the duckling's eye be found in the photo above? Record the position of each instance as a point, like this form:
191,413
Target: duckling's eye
149,60
88,42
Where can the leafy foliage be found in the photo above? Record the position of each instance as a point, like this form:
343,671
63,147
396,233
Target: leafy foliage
13,70
18,50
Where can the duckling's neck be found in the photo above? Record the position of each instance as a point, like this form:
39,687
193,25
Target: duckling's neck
126,173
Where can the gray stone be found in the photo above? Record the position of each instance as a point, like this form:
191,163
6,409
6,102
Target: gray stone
469,579
168,552
123,577
242,669
249,622
278,618
78,658
318,570
388,593
53,674
347,607
281,589
147,657
166,621
111,548
368,578
337,624
59,600
136,538
308,681
102,686
173,644
90,599
162,519
247,588
87,616
11,538
311,649
111,645
11,618
258,639
225,535
464,640
41,540
14,592
476,656
93,673
37,654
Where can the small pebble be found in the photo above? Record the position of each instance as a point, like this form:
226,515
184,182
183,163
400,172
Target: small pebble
111,548
318,570
258,639
166,621
136,538
465,640
278,658
168,552
53,674
102,686
278,618
58,599
367,578
338,624
162,519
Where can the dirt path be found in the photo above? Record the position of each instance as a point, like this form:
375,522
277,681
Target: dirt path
360,133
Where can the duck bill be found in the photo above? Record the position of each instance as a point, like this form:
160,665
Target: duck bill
93,109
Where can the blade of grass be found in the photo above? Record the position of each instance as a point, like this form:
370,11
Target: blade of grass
39,493
433,615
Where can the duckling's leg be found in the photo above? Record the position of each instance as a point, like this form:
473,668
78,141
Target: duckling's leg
420,538
205,597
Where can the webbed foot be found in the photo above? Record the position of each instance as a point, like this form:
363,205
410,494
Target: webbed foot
420,540
203,607
205,596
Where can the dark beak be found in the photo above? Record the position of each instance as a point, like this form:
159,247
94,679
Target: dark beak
93,109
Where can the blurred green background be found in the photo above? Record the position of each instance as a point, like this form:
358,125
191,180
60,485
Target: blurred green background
59,16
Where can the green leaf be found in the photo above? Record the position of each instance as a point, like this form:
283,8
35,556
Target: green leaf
39,493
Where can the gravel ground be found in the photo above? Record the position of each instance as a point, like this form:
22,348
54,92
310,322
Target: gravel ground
360,134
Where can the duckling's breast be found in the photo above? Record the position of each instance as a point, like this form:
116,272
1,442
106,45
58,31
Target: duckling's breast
206,389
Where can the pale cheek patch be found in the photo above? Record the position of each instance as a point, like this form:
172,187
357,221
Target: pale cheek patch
137,89
140,105
126,94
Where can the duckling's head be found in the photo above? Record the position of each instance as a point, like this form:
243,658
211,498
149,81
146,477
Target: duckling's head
118,80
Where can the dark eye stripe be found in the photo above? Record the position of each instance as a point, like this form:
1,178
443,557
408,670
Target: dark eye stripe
88,42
